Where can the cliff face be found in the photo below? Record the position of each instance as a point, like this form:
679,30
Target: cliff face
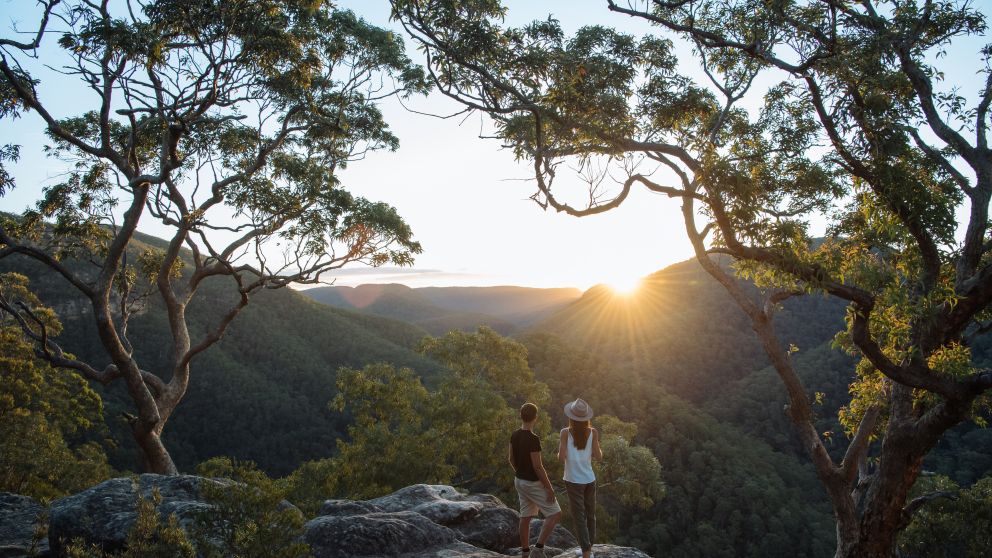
420,521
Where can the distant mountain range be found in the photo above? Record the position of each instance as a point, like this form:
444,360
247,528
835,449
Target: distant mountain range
442,309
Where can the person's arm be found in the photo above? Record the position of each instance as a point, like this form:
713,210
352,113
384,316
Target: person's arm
597,452
562,440
509,457
542,475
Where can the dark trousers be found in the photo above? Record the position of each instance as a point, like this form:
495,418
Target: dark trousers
582,504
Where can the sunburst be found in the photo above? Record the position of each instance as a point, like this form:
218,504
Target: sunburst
625,286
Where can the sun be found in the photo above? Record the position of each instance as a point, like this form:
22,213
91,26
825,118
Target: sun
624,286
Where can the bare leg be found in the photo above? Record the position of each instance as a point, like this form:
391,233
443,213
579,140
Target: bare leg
525,532
549,525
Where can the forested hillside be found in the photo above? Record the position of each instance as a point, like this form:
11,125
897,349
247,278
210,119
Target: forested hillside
442,309
723,484
261,393
681,330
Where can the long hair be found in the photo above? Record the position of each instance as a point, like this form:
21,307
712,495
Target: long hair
580,432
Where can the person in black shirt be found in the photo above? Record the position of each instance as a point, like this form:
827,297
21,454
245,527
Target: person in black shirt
532,483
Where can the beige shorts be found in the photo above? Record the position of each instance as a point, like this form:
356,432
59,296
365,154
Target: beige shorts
533,497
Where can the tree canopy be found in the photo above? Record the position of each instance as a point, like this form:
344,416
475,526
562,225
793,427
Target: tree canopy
226,123
856,129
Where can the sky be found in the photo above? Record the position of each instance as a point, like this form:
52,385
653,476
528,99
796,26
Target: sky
465,199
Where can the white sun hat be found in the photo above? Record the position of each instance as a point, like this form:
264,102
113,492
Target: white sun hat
578,410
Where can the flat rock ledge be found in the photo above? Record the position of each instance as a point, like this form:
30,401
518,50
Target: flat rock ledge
22,526
419,521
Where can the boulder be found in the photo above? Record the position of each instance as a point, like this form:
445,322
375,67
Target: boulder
480,520
374,534
347,507
420,521
494,528
456,549
448,512
607,551
21,526
549,551
439,503
560,536
405,499
105,513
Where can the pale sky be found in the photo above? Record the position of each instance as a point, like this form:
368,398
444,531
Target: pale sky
465,199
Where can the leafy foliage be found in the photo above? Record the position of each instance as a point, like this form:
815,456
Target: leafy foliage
955,525
149,538
249,515
405,433
49,417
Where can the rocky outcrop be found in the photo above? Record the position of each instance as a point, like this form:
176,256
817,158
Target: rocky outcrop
495,528
479,525
105,513
609,551
441,504
374,534
457,549
346,507
21,526
420,521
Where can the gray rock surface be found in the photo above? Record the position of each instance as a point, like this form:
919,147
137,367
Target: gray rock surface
347,507
103,514
549,551
560,537
405,499
420,521
374,534
21,521
607,551
456,549
439,503
494,528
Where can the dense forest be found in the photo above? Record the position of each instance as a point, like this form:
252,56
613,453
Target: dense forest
687,377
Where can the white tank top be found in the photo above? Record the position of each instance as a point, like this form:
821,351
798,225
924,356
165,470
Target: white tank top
578,462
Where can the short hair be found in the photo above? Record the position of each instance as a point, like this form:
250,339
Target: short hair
528,412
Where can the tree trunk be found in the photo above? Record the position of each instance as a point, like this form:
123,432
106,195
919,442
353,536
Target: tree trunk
155,458
883,516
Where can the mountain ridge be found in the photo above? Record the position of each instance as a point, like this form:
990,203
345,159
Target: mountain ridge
506,309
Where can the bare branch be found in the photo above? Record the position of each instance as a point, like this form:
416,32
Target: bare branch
857,450
49,6
913,506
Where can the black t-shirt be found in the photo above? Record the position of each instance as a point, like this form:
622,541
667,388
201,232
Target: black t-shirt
524,442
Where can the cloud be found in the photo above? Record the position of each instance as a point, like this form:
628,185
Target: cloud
412,277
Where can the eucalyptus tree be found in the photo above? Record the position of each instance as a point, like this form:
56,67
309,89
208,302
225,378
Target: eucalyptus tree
856,127
224,123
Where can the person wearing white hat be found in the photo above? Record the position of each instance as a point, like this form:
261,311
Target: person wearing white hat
578,446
